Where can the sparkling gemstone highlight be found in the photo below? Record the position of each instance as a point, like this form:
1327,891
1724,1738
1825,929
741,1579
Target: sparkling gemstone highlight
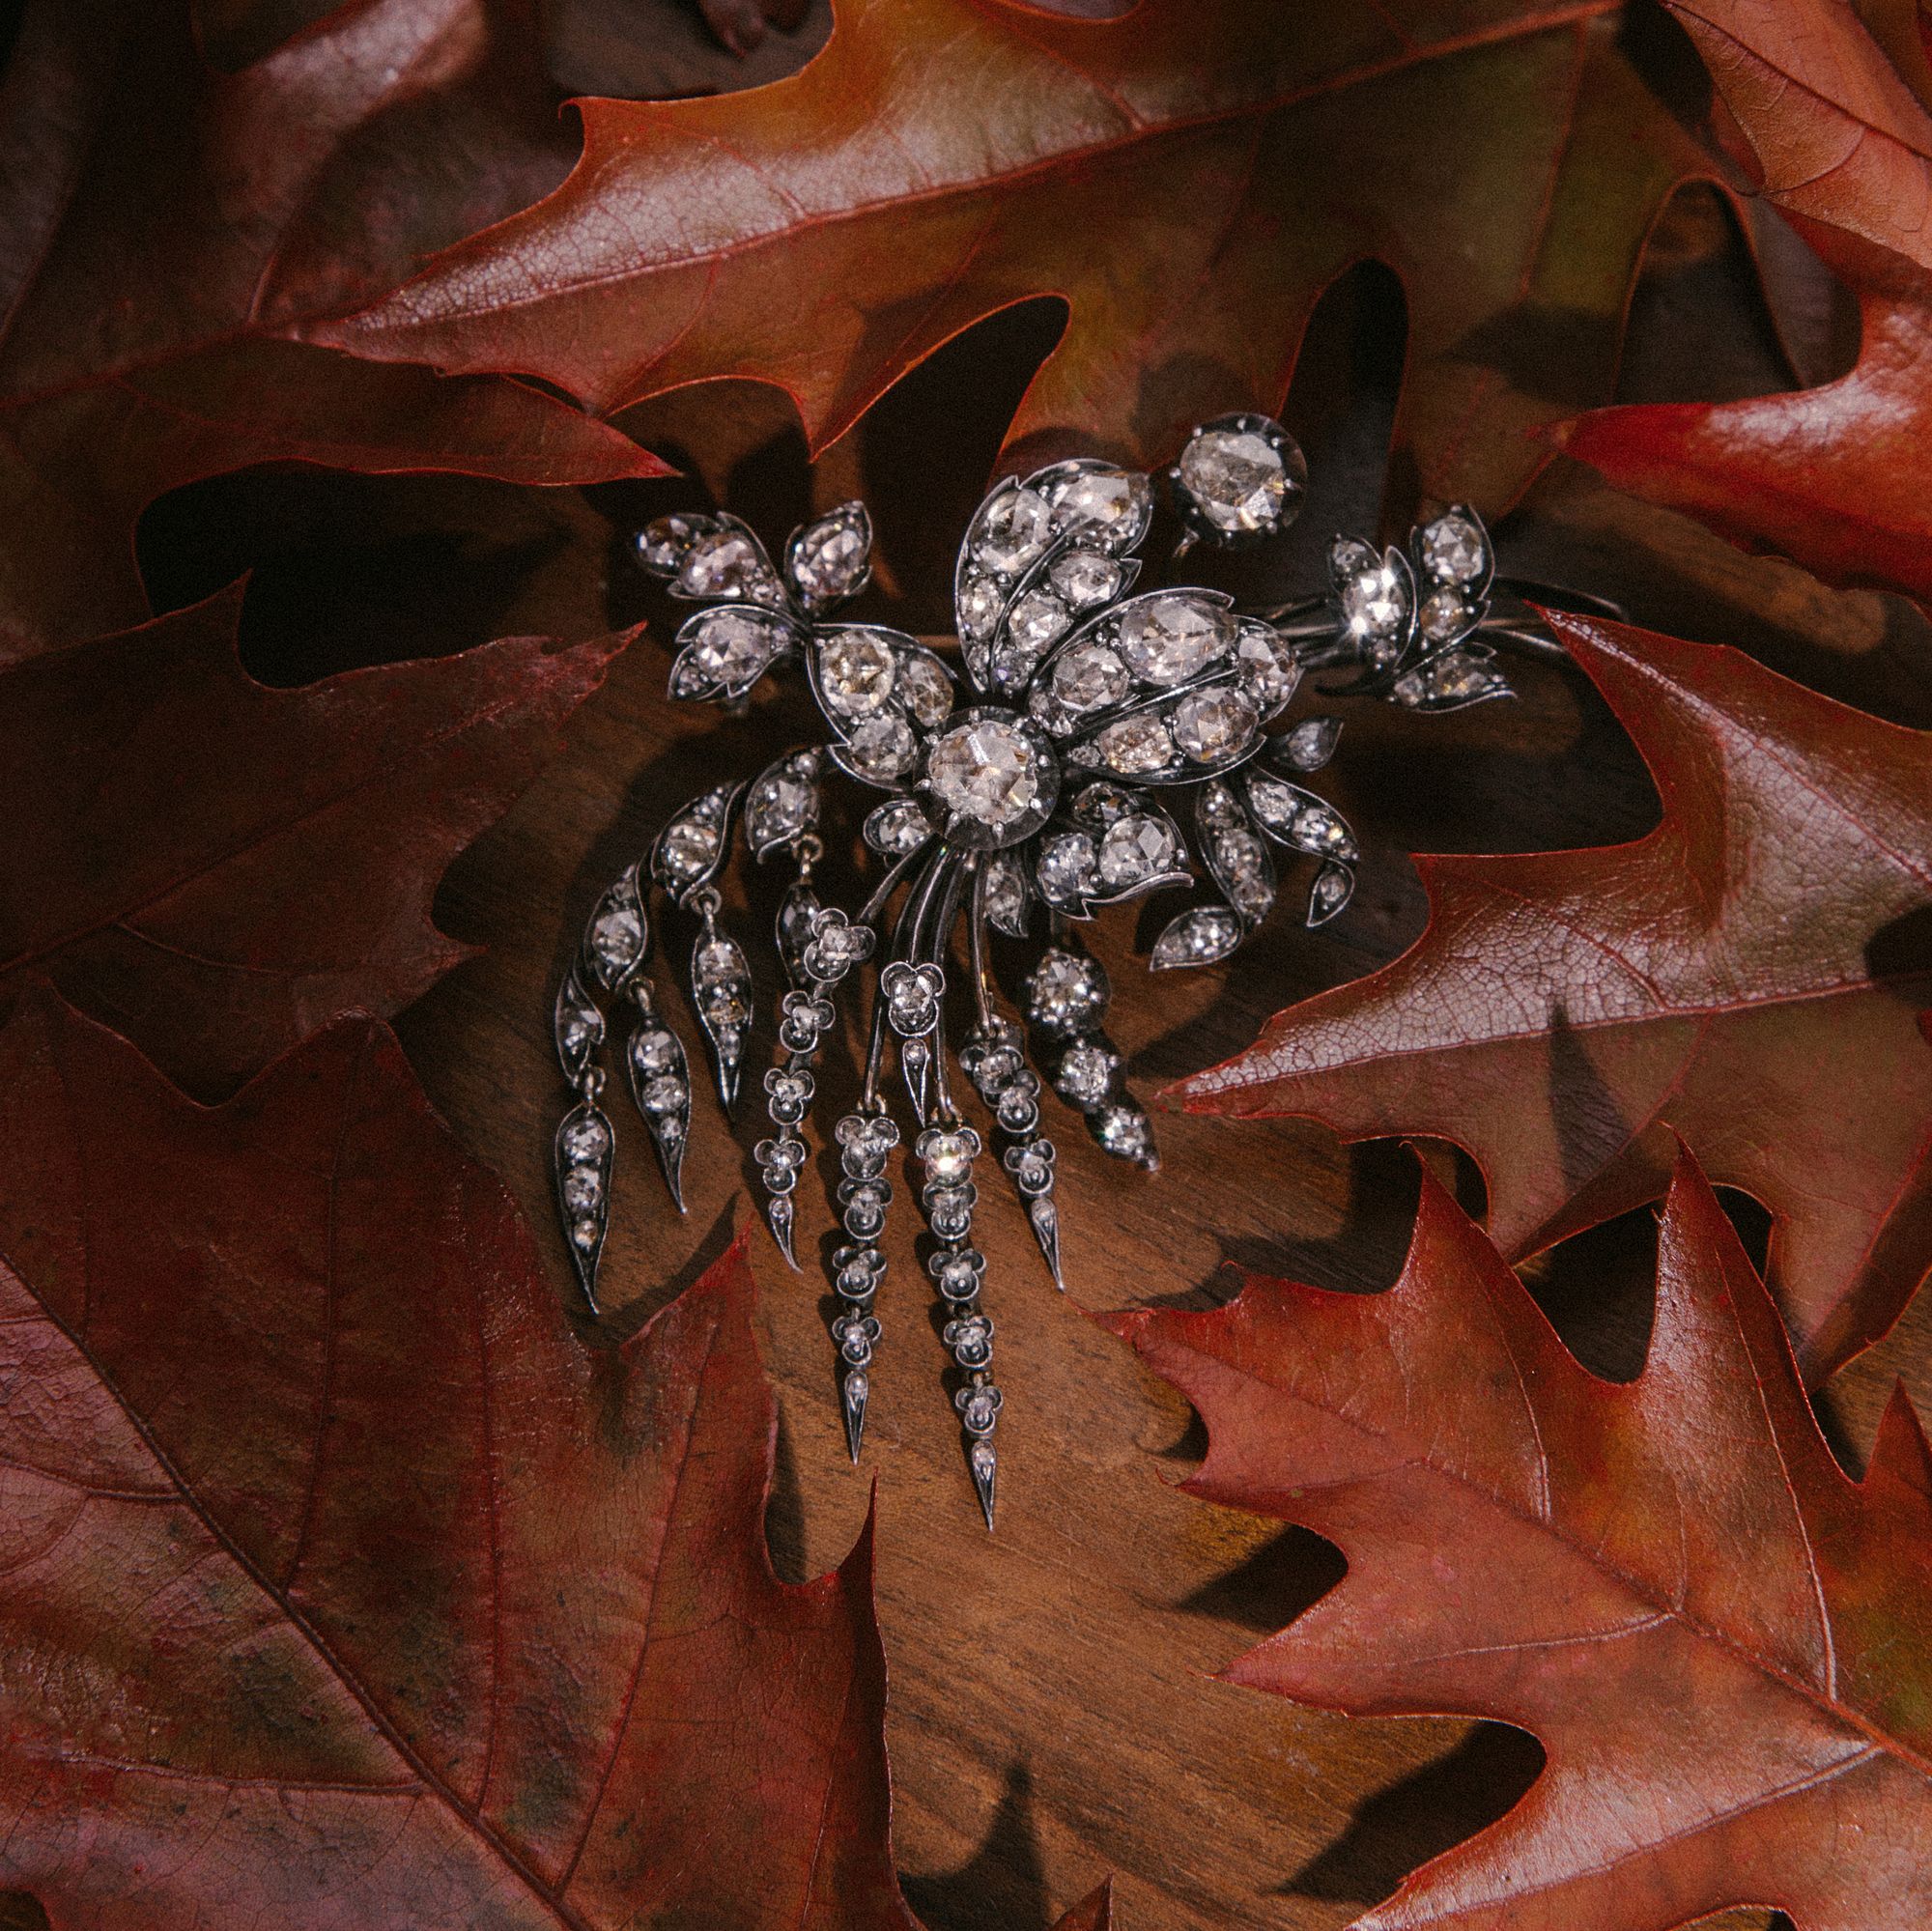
829,560
1038,618
980,603
1068,867
725,564
926,689
1268,663
1112,504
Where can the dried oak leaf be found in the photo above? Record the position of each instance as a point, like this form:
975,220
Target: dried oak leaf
164,226
1837,477
342,1586
1724,1645
1751,974
220,869
1188,178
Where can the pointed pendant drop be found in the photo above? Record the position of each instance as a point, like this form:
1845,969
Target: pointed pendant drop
721,990
584,1148
779,1218
661,1089
853,1402
1044,1217
984,1463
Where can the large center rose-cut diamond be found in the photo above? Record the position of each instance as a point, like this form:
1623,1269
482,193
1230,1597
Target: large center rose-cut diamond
991,771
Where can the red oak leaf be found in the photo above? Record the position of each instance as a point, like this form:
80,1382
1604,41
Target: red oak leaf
1723,1643
222,868
1187,178
164,225
1751,974
288,1642
1837,477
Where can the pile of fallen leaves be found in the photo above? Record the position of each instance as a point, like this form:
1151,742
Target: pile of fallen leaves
281,1642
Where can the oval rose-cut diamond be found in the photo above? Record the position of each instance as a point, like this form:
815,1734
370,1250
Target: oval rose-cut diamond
1085,578
689,846
1010,531
989,771
1038,618
829,557
1089,677
725,564
926,689
898,827
1114,505
1442,616
1373,597
1269,666
1135,744
1168,638
617,938
1135,849
1214,723
1452,548
881,749
980,605
733,647
1238,480
856,669
1065,868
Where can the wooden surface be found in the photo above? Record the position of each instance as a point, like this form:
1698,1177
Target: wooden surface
1054,1710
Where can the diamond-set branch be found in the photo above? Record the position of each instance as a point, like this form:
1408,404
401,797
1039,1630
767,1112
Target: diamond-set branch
1096,740
1066,996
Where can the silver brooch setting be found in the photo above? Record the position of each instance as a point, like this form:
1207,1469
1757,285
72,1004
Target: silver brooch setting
1091,741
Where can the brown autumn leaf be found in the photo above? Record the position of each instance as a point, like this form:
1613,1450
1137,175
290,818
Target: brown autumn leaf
1829,113
1187,178
1753,975
163,228
286,1643
220,869
1723,1643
